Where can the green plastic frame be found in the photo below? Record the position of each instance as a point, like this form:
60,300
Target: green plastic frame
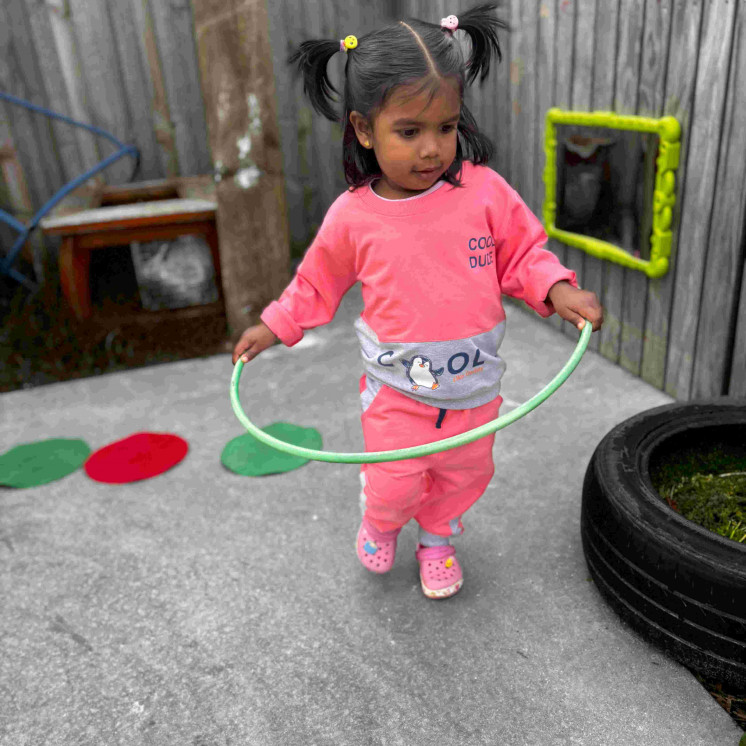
664,196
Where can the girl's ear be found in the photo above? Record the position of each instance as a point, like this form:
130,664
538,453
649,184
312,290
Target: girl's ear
363,131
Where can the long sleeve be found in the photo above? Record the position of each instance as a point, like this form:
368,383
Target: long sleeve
326,273
526,270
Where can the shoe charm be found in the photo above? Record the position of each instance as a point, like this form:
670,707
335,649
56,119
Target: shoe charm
370,547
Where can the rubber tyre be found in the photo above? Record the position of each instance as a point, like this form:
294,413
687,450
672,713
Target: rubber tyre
679,585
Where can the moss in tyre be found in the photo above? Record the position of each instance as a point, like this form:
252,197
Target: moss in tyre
706,484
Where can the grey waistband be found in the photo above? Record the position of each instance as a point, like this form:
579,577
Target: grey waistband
455,374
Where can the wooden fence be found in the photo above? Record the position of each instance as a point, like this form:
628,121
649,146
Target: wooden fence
130,67
684,333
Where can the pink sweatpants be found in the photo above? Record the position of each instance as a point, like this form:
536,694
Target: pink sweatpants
435,490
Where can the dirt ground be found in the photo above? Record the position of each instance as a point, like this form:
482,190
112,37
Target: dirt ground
42,342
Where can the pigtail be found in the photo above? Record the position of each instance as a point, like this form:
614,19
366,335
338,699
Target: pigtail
481,24
312,59
478,147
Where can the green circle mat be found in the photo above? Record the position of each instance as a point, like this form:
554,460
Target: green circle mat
32,464
248,456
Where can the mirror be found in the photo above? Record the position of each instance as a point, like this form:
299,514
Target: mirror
610,186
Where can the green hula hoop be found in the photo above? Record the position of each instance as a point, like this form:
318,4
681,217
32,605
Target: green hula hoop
424,450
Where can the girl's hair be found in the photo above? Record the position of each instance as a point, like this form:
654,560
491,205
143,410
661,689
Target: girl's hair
405,53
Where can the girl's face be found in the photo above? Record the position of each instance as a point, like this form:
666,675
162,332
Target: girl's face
414,138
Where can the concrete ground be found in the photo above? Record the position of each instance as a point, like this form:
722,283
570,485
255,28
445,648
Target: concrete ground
207,609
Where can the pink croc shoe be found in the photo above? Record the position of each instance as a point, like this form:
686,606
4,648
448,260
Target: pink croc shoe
440,572
376,550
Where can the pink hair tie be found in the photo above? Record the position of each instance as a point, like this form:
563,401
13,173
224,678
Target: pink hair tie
449,24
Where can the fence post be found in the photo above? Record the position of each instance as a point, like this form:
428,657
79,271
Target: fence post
239,93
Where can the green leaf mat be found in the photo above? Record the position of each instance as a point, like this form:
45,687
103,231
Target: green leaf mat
45,461
250,457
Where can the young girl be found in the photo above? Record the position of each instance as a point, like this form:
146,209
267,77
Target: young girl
435,237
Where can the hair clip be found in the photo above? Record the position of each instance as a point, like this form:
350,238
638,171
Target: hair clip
449,24
349,42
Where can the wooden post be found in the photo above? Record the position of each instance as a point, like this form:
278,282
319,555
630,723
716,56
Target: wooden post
239,92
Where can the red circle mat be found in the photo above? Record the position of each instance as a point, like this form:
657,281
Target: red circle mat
138,456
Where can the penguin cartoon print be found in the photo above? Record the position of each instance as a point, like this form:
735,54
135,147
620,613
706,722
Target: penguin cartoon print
420,372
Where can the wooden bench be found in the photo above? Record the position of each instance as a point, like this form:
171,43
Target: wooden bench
149,211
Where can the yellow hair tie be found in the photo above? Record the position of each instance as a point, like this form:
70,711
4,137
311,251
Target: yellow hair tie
349,42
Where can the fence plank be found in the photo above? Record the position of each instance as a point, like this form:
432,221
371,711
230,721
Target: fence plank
545,32
106,99
15,196
65,49
625,102
545,35
174,30
164,130
289,94
698,201
298,31
680,81
523,97
9,198
497,99
32,133
581,99
563,51
54,86
137,87
650,94
602,99
582,68
719,306
317,128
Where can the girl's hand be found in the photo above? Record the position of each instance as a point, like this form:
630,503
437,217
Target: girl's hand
254,340
575,305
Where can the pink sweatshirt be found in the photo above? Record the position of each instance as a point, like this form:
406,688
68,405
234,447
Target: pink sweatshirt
432,271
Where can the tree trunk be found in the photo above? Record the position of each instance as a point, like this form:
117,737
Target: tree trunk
239,92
